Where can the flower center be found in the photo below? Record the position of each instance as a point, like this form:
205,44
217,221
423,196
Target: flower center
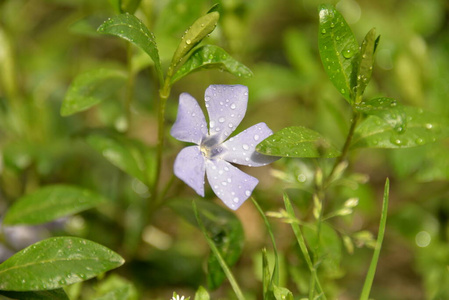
209,149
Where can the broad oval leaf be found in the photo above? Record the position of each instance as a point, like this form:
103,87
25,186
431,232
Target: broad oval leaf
202,294
50,203
211,57
422,128
130,28
57,294
90,88
194,35
297,141
56,262
339,51
387,109
222,226
366,62
129,155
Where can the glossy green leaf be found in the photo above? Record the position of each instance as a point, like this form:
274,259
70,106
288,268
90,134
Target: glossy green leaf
50,203
339,51
129,155
281,293
422,128
57,294
56,262
194,35
202,294
130,28
387,109
297,141
222,226
211,57
90,88
366,63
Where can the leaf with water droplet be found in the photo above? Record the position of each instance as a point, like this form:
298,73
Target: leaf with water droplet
339,51
50,203
365,68
90,88
297,141
372,134
387,109
194,35
211,57
45,264
222,226
130,28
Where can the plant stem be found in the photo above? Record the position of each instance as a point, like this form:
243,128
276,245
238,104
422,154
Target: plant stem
129,83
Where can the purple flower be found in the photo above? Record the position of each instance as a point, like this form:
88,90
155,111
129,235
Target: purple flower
212,155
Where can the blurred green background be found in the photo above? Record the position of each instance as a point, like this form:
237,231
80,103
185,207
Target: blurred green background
44,44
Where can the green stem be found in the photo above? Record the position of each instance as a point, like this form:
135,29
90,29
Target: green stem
214,249
129,84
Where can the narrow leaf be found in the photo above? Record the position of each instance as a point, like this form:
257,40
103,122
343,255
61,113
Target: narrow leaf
281,293
297,141
130,6
339,51
387,109
56,262
222,226
90,88
194,35
129,155
373,265
50,203
366,63
211,57
130,28
422,128
57,294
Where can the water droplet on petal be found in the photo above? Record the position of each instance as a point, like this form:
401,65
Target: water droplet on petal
256,137
212,124
245,147
248,193
233,106
221,119
236,200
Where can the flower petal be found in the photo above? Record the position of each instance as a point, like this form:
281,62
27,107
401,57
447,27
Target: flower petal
241,149
226,105
230,184
190,125
190,168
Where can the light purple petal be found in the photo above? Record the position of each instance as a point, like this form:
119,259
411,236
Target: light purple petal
241,149
190,168
190,125
230,184
226,105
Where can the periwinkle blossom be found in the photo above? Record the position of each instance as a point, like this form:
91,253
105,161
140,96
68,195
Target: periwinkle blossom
213,154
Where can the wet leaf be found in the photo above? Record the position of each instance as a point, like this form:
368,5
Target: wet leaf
339,51
50,203
57,294
387,109
297,141
211,57
130,28
366,61
56,262
422,128
90,88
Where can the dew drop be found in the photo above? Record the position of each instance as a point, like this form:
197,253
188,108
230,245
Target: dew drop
233,106
419,141
429,126
230,125
248,193
332,25
343,91
188,42
229,180
212,124
323,31
348,53
256,137
207,98
245,147
302,178
221,119
224,183
236,200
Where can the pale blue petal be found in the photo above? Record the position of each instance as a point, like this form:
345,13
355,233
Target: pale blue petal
241,149
190,168
190,125
230,184
226,106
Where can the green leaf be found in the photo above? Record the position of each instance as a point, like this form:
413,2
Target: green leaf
130,28
211,57
130,6
90,88
50,203
57,294
223,227
387,109
115,288
297,141
129,155
116,5
422,128
339,51
281,293
56,262
366,62
202,294
194,35
267,282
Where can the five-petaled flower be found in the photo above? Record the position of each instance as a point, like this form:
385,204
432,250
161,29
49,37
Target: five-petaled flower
212,155
177,298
